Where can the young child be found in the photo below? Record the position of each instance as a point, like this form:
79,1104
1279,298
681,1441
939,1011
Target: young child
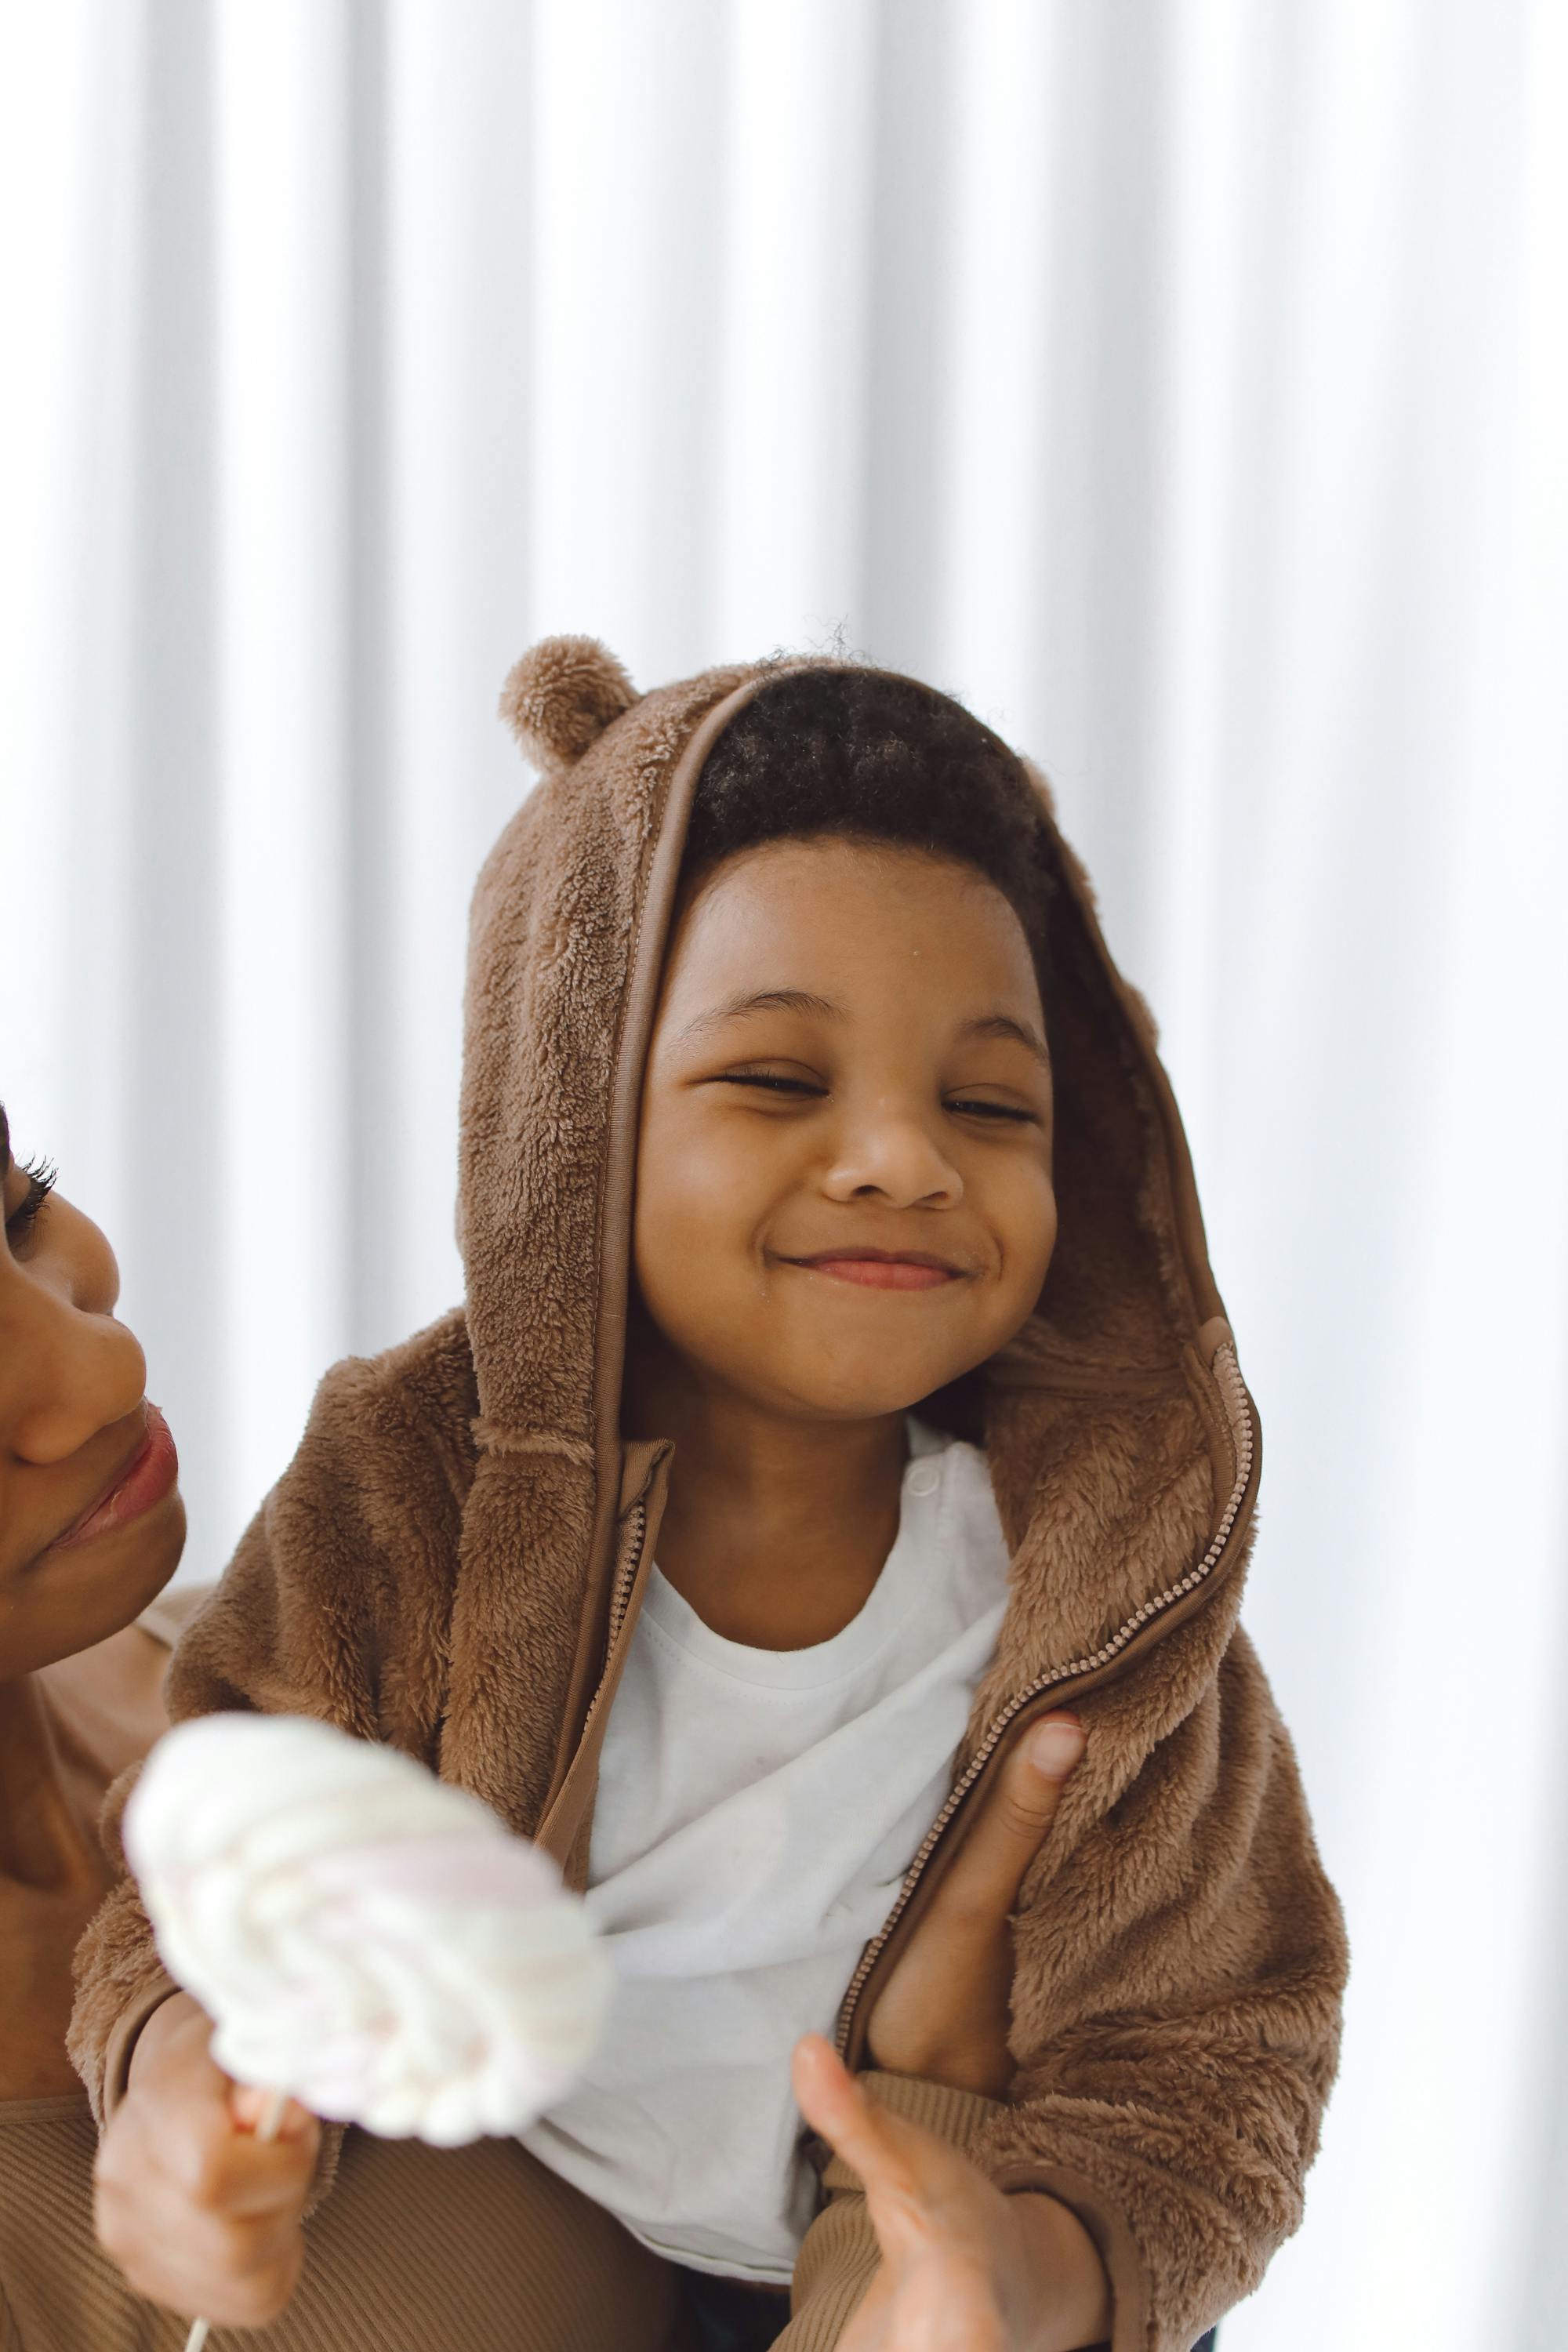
841,1390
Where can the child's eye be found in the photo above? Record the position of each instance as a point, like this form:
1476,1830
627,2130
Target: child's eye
971,1106
771,1082
19,1224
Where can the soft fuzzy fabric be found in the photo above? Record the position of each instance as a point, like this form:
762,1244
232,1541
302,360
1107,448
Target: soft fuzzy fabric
449,1562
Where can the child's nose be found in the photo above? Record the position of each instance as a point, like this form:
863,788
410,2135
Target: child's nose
895,1159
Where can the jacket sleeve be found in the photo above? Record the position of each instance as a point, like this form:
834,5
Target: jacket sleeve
1180,1962
306,1620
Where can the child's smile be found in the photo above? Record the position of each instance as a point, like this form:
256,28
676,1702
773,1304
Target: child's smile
882,1269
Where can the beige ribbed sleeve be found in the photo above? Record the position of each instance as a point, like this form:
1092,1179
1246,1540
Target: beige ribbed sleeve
477,2248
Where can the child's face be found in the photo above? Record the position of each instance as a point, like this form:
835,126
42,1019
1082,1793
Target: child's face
848,1058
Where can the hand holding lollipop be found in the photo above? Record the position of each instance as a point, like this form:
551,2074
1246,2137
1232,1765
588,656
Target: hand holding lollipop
365,1938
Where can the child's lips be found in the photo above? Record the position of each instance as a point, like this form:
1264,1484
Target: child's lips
882,1270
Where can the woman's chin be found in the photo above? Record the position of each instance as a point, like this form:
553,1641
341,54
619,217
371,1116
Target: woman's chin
70,1600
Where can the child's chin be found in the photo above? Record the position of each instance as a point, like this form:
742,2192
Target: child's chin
851,1373
842,1395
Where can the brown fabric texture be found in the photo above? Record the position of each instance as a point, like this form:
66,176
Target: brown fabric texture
436,1569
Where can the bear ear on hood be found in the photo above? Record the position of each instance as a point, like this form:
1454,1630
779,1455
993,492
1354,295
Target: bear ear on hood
561,696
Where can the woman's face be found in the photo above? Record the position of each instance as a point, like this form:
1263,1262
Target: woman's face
91,1523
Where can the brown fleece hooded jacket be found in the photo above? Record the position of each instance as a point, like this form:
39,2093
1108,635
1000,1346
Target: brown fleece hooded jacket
455,1559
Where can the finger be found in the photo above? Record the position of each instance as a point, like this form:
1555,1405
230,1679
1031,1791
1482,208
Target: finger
1014,1820
260,2112
208,2163
895,2159
833,2104
244,2177
216,2252
252,2301
908,2176
236,2271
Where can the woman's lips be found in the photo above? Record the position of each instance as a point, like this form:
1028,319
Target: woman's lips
879,1270
146,1478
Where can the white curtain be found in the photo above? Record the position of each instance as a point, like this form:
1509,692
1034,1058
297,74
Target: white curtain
1182,382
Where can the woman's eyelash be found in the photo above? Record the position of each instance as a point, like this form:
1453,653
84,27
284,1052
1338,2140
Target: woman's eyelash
41,1175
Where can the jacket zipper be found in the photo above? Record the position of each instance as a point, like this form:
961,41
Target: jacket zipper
1227,1370
621,1591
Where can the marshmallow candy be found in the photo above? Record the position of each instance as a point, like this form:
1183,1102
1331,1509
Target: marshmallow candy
365,1938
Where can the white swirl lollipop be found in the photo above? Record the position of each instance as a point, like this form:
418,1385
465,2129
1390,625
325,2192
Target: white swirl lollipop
365,1938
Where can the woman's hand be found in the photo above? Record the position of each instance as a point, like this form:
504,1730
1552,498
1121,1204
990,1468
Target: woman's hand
944,2012
964,2268
197,2212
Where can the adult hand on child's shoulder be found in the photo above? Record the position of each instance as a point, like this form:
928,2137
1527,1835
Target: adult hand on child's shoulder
199,2213
944,2012
964,2267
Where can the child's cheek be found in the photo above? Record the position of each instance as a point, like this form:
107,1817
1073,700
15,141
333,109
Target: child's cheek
704,1208
1027,1234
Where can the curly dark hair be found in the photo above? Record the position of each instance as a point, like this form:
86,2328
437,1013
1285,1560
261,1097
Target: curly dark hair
866,756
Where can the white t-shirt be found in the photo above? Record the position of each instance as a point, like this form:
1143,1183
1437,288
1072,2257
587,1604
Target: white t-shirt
757,1811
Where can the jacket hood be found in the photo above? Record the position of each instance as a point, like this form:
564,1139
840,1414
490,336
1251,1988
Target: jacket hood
1123,1442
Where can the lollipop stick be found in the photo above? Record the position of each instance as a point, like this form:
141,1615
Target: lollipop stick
266,2128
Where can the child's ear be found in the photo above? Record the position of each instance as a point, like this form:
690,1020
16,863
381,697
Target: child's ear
561,696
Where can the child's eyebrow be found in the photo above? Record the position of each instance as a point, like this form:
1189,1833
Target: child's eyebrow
1001,1025
767,1000
801,999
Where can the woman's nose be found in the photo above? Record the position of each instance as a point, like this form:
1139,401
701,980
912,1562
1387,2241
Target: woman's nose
72,1375
893,1155
69,1368
74,1378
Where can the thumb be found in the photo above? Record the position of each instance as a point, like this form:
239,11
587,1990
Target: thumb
1046,1756
1014,1817
834,2103
876,2145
